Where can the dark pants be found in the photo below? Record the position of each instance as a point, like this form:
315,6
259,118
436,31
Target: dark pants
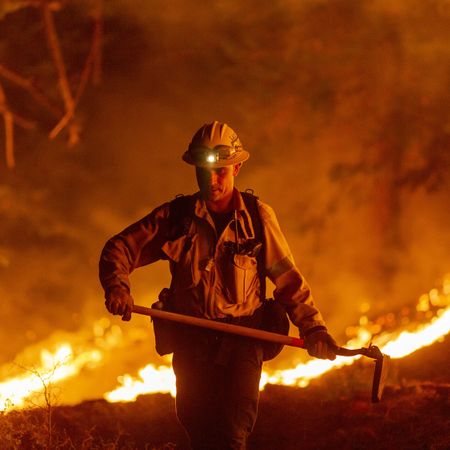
218,390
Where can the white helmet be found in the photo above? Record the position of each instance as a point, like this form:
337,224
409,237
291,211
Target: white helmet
215,145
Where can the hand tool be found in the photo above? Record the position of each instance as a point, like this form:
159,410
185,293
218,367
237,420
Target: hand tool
373,352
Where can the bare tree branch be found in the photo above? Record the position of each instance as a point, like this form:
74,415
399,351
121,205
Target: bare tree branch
91,65
48,395
61,124
93,60
9,118
91,71
28,85
55,50
9,130
19,120
9,140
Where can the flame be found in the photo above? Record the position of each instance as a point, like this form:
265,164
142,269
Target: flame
88,351
54,367
66,360
408,342
152,379
393,344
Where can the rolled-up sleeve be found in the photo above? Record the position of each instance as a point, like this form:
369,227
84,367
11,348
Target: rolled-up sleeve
137,245
291,289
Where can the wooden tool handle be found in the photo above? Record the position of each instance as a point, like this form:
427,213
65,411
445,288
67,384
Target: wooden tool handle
220,326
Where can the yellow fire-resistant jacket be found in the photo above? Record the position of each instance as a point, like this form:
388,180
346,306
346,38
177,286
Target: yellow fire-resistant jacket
208,280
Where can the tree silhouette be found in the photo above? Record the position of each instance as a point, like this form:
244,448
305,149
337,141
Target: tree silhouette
56,95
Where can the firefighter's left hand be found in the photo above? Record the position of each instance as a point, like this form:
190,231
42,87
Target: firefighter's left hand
321,345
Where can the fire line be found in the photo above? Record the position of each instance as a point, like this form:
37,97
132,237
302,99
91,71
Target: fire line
67,362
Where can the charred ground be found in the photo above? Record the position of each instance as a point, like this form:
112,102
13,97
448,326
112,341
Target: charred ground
333,412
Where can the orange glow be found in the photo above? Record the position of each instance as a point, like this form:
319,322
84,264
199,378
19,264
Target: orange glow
54,367
67,360
152,379
396,345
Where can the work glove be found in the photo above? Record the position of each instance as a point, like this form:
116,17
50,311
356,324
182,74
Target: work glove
119,302
320,344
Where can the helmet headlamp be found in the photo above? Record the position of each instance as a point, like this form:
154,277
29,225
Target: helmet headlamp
215,145
212,157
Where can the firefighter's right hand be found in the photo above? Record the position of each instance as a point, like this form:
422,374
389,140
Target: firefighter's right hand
119,302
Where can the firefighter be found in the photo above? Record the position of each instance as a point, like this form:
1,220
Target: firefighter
220,251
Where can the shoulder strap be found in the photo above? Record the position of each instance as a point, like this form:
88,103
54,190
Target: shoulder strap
180,216
251,203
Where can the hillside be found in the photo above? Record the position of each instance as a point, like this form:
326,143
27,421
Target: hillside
333,412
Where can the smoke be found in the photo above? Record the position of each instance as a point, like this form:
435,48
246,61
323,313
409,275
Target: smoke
343,106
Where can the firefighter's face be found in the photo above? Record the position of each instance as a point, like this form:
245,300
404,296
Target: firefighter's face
216,184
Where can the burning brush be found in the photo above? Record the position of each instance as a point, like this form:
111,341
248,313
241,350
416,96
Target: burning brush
373,352
80,353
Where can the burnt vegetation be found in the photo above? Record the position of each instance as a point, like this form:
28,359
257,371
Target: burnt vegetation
333,412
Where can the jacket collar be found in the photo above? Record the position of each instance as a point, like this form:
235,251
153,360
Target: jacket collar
201,211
